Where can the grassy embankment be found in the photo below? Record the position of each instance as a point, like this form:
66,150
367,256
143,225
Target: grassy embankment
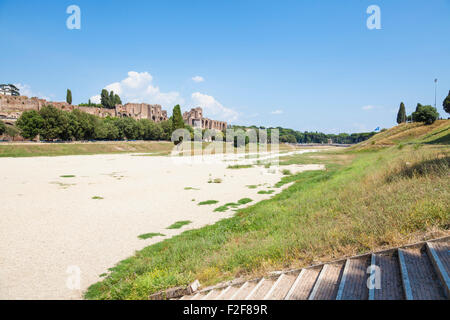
153,148
372,196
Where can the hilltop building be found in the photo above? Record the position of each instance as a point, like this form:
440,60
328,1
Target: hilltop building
195,118
9,90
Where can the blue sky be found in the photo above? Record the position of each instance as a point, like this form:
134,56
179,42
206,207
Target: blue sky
306,65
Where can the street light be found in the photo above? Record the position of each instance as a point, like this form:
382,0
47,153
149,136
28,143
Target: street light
435,86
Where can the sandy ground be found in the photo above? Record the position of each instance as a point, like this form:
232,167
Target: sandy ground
51,228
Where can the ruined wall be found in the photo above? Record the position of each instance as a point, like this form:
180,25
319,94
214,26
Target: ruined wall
11,107
195,118
152,112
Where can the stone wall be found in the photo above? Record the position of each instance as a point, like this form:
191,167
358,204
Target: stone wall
11,107
142,111
195,118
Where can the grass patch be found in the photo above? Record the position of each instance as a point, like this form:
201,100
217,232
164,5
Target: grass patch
226,207
179,224
266,191
68,176
286,172
252,186
245,201
150,235
345,210
216,180
240,166
207,202
221,209
97,198
190,188
82,148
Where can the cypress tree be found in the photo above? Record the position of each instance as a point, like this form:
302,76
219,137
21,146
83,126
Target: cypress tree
117,100
177,118
105,98
111,100
177,121
401,115
69,96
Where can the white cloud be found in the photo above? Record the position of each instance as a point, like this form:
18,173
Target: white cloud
277,111
198,79
96,99
213,107
25,90
138,88
368,107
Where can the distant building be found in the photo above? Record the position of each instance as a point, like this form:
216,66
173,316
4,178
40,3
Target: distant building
195,119
9,90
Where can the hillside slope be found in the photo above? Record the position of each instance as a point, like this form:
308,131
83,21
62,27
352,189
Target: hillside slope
407,133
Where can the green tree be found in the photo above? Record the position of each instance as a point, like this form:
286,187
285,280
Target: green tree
104,98
2,127
30,123
112,100
128,128
53,123
401,115
117,100
149,130
426,114
72,129
109,99
86,123
69,96
106,129
177,120
446,103
166,127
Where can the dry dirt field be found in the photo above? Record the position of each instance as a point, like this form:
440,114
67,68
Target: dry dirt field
69,213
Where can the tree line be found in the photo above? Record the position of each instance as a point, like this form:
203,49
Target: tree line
427,114
293,136
52,124
108,100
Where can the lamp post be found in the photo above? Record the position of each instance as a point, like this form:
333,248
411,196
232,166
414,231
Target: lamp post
435,87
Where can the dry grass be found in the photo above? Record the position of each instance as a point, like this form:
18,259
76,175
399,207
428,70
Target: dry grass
80,148
408,133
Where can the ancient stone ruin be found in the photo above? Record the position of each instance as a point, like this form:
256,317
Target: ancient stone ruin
11,107
195,118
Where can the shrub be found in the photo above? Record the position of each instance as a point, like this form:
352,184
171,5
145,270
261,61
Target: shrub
426,114
30,123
